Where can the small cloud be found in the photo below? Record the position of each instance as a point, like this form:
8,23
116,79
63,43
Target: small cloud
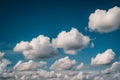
3,62
99,78
80,66
105,21
79,76
71,41
63,64
47,74
86,29
1,54
30,65
113,72
115,66
92,45
39,47
103,58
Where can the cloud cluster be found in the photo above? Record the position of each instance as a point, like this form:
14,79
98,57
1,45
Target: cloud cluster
71,41
103,58
50,75
41,74
105,21
63,64
39,47
30,65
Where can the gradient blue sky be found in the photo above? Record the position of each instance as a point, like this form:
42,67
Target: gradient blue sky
26,19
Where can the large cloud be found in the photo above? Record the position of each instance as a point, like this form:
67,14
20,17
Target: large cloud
103,58
30,65
71,41
105,21
39,47
63,64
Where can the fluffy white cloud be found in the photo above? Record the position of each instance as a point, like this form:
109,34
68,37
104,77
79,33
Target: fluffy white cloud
115,66
47,74
99,78
39,47
1,55
112,73
30,65
63,64
79,76
80,66
71,41
103,58
3,62
105,21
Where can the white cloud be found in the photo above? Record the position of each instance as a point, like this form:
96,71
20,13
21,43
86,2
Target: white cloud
112,73
79,76
117,76
103,58
3,62
30,65
1,54
115,66
39,47
63,64
71,41
47,74
92,45
99,78
105,21
80,66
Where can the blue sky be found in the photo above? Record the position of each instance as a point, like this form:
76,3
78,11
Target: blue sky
24,20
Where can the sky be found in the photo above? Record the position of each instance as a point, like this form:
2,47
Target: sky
60,32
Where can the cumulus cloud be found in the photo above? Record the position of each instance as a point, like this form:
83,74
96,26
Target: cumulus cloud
114,68
80,66
105,21
30,65
99,78
79,76
47,74
71,41
39,47
63,64
3,62
53,75
1,55
111,73
103,58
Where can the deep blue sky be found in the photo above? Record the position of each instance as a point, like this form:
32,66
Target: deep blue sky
26,19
